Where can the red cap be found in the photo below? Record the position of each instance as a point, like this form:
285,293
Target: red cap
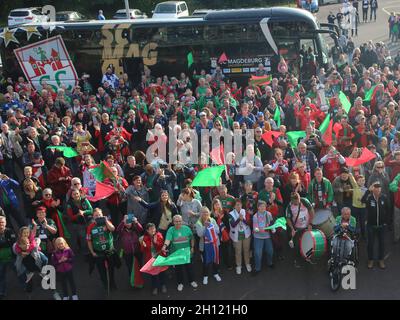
41,209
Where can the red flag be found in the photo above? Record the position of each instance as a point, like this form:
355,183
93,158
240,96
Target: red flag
102,191
223,58
269,136
365,156
327,136
218,155
148,268
125,134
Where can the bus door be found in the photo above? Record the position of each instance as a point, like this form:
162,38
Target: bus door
308,59
134,67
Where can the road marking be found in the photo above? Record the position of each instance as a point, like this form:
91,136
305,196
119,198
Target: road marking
387,12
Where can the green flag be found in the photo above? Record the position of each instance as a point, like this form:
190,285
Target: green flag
181,256
68,152
277,116
209,177
294,136
344,101
190,59
369,93
101,172
279,223
324,125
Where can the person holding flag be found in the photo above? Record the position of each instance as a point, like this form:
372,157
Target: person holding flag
208,231
180,236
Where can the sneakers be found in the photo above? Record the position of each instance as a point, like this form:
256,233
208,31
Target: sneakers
29,276
370,264
194,284
217,277
56,296
66,298
205,280
382,264
75,297
248,267
180,287
155,292
238,270
164,289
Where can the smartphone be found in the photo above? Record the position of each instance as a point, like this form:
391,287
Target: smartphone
130,218
101,221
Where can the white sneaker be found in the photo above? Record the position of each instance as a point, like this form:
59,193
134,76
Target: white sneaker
66,298
180,287
29,276
75,297
238,270
205,280
56,296
248,267
217,277
194,284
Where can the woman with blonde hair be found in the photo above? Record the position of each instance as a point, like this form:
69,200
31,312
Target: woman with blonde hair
62,260
32,194
208,231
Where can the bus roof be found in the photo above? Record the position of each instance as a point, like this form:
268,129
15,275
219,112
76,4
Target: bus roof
212,16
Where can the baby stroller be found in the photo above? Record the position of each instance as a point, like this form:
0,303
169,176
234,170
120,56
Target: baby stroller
344,252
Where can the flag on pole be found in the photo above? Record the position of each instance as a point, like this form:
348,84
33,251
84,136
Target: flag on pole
324,125
279,223
190,59
327,136
294,136
103,191
180,256
68,152
136,276
102,171
269,135
277,116
366,155
260,81
150,269
344,101
209,177
223,58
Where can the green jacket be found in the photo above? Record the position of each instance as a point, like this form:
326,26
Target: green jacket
327,194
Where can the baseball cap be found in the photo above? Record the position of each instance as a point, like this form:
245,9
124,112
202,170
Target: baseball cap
202,114
260,114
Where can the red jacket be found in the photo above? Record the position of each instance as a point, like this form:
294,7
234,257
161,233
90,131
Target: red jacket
60,188
148,241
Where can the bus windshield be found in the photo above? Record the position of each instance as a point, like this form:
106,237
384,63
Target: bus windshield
165,8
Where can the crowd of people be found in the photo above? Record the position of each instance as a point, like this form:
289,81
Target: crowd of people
49,214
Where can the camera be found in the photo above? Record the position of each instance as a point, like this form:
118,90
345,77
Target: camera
163,166
130,218
101,221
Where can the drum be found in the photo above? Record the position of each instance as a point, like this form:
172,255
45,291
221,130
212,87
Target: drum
324,221
313,244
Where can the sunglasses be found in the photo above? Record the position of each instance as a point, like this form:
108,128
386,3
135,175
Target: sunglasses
48,195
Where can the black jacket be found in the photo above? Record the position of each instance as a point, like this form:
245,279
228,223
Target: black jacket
155,211
7,239
377,211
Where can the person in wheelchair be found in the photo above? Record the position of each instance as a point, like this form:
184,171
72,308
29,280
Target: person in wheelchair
345,233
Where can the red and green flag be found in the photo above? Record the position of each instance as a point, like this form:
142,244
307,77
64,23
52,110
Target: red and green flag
102,172
103,191
190,59
209,177
366,155
152,270
279,223
180,256
136,276
260,81
369,94
269,136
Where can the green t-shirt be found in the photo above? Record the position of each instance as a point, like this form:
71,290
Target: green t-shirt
101,237
179,238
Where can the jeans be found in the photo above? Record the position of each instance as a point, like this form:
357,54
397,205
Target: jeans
65,279
260,246
179,271
365,15
158,281
373,12
3,272
374,232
